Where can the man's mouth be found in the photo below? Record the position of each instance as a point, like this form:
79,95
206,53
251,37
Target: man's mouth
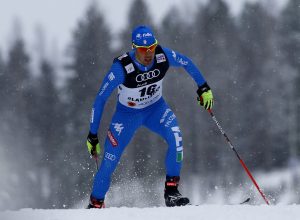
148,59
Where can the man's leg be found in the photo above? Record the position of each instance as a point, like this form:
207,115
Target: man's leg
163,121
120,132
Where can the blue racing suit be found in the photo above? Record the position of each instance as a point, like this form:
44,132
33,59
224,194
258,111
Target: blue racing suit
140,103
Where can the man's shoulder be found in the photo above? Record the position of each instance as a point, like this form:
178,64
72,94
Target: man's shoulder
165,49
125,58
125,62
121,57
168,52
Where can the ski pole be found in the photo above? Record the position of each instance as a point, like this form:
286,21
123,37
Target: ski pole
95,156
97,162
238,156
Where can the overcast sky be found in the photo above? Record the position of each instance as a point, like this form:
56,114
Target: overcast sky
59,17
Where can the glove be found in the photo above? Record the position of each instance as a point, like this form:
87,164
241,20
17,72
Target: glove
205,96
93,144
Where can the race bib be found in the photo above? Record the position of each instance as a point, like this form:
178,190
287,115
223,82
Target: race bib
140,97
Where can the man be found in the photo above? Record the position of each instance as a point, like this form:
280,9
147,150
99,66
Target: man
138,75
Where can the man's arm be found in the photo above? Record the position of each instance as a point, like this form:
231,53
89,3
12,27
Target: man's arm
113,78
204,92
179,60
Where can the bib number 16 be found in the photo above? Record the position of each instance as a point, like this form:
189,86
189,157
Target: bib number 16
150,90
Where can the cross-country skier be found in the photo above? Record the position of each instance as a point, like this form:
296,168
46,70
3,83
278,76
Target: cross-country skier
138,75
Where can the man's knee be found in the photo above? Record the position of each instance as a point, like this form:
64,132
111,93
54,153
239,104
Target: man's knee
109,163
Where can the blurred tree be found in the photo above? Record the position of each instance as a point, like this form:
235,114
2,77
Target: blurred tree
260,89
173,30
18,82
49,120
18,103
3,85
138,15
90,52
217,51
48,129
289,30
3,97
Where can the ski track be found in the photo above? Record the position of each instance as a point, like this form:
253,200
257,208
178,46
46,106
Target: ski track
202,212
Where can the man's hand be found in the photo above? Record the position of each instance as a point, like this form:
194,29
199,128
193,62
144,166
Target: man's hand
205,96
93,144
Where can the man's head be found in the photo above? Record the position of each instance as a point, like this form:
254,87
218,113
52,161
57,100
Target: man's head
144,42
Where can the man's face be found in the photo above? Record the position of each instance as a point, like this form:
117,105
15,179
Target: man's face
145,58
145,55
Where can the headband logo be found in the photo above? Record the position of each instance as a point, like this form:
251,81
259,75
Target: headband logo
138,36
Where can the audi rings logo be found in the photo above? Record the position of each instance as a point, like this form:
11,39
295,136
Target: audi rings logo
148,75
110,156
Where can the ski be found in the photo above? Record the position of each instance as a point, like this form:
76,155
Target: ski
241,203
247,200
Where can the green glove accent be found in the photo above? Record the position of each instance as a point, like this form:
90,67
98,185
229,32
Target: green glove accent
93,144
205,96
207,100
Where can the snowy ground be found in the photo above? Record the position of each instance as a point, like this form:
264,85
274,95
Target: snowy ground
205,212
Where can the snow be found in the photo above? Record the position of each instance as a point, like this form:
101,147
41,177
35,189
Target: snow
205,212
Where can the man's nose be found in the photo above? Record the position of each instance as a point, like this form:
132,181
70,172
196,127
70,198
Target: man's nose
149,52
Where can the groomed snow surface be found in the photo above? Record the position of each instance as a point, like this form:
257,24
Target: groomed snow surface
205,212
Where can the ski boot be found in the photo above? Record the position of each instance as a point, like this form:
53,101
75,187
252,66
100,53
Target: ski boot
96,203
172,195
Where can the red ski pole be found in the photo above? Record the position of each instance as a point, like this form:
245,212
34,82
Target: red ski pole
97,162
238,156
95,156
